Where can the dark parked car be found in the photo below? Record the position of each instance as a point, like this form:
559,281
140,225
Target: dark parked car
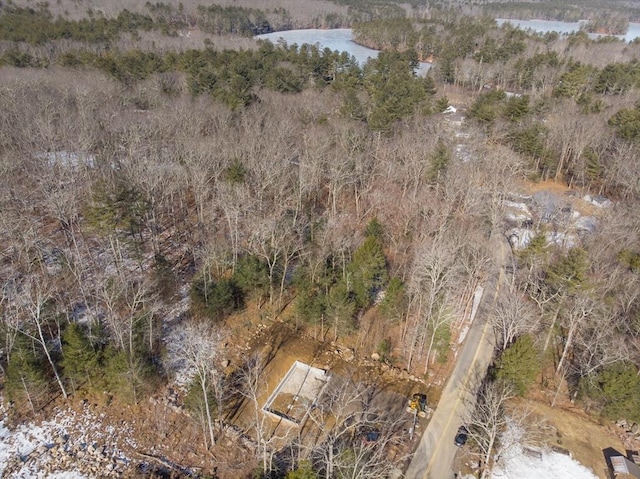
372,436
461,436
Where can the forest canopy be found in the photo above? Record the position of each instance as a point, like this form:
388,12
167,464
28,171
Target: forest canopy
166,196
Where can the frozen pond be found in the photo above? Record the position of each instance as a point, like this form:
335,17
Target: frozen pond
340,39
545,26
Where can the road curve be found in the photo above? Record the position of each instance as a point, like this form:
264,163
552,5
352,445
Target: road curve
434,455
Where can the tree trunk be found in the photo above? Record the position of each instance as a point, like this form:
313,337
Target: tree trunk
26,391
43,343
330,462
53,366
567,345
203,384
431,341
487,458
553,325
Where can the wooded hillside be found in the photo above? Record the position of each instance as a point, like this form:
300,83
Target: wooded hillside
337,198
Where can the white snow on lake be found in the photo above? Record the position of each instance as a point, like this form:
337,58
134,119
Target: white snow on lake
340,39
546,26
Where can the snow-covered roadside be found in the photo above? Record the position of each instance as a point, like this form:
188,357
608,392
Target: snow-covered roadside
69,446
517,464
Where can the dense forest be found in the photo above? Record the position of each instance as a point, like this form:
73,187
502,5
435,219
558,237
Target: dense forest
290,182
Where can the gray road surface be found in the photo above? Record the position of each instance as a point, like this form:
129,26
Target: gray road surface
434,455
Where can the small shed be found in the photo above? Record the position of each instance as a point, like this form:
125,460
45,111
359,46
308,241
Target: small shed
623,465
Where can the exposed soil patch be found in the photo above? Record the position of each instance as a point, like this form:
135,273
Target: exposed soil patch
570,428
573,197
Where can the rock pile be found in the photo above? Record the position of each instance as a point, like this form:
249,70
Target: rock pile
235,435
91,460
170,400
630,431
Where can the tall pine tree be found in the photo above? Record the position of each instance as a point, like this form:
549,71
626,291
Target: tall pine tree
80,361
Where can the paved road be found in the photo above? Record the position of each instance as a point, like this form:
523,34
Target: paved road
434,455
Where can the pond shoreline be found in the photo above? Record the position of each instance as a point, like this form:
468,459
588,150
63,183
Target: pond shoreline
340,39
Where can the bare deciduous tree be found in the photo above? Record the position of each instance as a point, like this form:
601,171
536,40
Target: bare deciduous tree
36,296
434,270
127,301
489,419
269,435
193,349
277,241
512,315
355,426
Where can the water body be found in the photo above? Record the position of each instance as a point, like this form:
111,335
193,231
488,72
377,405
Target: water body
546,26
340,39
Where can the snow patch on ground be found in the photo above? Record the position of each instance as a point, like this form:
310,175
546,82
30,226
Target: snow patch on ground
520,462
25,440
518,465
66,475
25,452
182,373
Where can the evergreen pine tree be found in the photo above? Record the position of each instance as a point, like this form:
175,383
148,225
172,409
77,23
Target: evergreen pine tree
303,471
394,303
80,362
519,364
616,390
26,382
340,308
368,271
128,377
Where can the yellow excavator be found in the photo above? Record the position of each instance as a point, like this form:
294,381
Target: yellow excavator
417,405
